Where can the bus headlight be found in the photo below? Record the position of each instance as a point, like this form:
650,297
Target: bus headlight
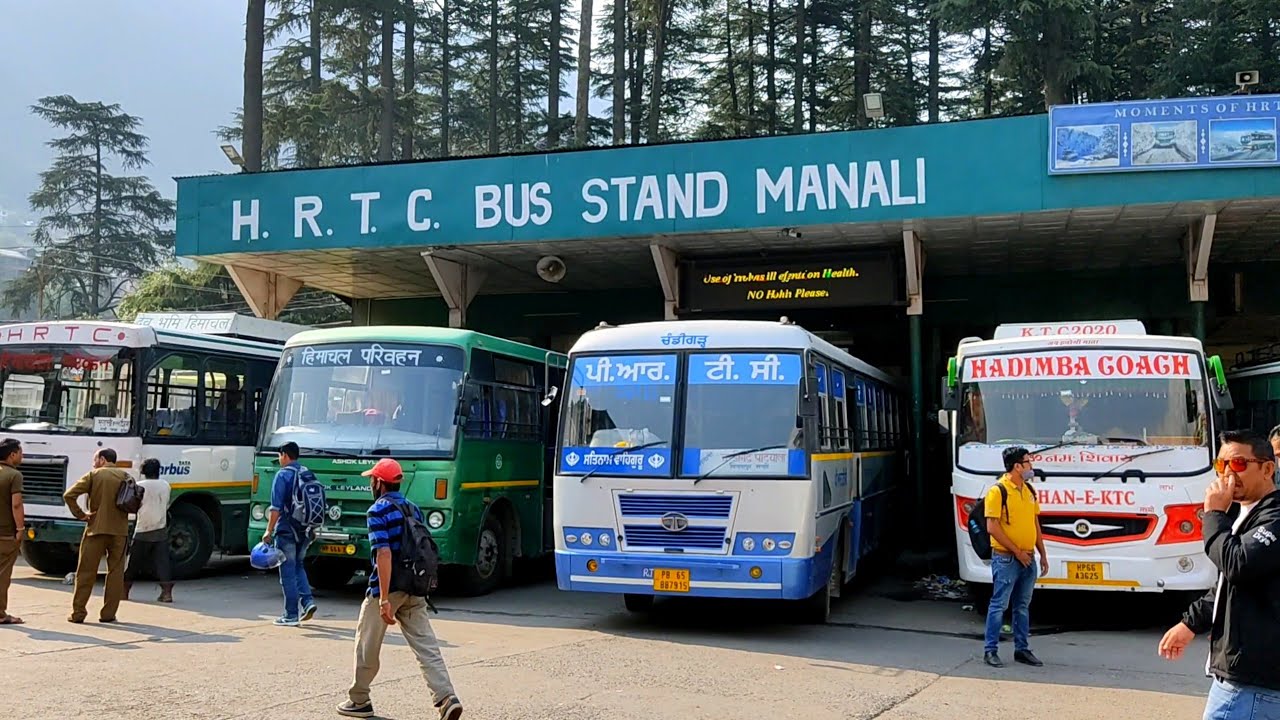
435,519
604,540
258,512
586,538
768,545
749,544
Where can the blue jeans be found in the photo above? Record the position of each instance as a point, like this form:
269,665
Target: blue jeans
293,574
1011,585
1230,701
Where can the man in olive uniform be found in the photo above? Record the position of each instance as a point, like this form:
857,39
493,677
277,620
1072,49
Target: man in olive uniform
106,533
11,521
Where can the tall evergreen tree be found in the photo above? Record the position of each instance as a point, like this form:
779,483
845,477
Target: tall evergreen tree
100,229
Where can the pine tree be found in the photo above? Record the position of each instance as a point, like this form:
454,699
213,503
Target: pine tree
100,230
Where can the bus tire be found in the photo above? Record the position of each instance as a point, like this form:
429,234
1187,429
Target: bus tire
50,558
816,609
190,540
637,603
487,572
330,573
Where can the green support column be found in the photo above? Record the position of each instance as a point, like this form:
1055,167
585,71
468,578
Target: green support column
917,406
1197,320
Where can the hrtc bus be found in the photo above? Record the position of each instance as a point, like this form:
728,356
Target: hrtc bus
188,397
722,458
463,414
1121,428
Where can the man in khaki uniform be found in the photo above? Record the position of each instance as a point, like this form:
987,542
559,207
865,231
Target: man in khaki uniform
106,533
11,521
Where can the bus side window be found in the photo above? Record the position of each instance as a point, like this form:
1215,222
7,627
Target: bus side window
223,415
841,413
824,415
172,385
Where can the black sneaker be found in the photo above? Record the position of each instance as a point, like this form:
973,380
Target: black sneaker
351,709
1026,658
450,708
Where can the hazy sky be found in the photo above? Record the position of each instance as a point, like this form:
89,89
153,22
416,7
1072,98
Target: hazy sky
177,64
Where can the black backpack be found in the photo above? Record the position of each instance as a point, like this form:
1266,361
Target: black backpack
415,567
129,496
978,535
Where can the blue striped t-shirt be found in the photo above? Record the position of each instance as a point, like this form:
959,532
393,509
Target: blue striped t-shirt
385,527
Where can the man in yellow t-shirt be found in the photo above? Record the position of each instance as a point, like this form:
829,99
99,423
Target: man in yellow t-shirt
1013,520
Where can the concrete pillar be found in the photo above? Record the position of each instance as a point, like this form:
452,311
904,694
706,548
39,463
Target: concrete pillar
913,250
267,293
1199,248
458,285
667,262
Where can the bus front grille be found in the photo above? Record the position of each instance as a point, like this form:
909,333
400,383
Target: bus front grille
43,480
692,506
693,538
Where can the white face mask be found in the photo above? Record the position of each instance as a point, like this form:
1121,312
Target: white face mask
1028,475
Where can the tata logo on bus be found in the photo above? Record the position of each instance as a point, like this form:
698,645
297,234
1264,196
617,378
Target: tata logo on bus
1098,364
675,522
181,467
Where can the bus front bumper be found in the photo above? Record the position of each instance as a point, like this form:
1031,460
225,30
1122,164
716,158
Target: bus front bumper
54,531
1187,570
711,576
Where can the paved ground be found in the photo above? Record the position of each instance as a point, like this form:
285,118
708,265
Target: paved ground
533,652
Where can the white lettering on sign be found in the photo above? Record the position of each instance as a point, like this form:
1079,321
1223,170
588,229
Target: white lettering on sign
365,198
415,223
305,209
1082,364
1112,498
241,220
68,333
656,197
497,204
833,187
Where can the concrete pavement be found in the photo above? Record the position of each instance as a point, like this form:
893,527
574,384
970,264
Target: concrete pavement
533,652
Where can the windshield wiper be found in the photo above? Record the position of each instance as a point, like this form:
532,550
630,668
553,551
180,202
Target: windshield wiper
1135,441
328,452
1130,459
620,451
724,460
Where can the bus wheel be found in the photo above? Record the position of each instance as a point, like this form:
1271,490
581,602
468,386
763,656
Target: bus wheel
50,558
486,573
817,608
330,573
638,603
190,540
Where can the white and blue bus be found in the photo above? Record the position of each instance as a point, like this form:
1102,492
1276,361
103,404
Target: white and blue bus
739,459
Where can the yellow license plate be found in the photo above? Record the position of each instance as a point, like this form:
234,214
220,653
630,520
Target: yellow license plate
671,580
1086,573
333,549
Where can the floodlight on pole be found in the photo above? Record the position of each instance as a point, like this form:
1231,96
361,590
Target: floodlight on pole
873,105
233,155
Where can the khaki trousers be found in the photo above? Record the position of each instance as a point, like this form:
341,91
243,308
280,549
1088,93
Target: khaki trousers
411,616
92,548
8,556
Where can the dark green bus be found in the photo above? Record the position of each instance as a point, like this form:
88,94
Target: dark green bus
468,416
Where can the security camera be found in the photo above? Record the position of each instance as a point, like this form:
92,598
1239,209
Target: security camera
1247,77
792,233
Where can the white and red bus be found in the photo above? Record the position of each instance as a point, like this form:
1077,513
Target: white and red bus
1122,428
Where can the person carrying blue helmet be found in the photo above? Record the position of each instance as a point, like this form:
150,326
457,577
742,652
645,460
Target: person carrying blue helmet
291,539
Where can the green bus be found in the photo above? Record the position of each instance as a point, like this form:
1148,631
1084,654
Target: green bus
468,416
1255,389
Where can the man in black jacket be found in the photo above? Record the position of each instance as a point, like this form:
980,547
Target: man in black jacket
1242,615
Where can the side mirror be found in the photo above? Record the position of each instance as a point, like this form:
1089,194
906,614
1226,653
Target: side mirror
1218,381
944,419
950,395
552,392
808,399
462,410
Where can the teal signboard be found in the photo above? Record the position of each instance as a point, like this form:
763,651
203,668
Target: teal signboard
950,170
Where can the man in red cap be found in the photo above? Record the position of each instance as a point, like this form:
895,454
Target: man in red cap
383,606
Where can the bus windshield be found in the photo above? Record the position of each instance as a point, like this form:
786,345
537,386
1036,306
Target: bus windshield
366,399
616,402
76,389
1084,397
741,402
